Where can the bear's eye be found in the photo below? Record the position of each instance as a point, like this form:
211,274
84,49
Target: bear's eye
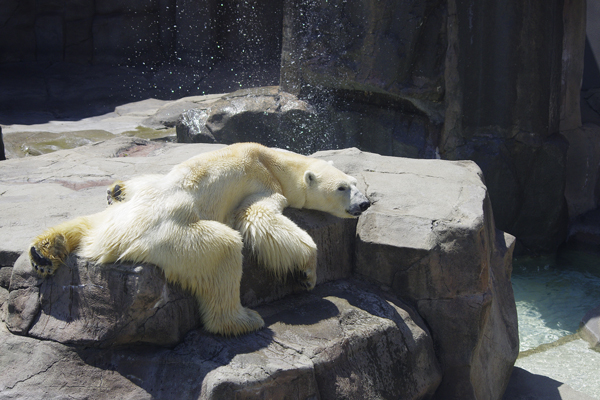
342,188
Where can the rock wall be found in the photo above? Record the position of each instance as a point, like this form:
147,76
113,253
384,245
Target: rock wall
135,32
493,81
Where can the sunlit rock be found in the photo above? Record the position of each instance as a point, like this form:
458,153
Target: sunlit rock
414,298
590,327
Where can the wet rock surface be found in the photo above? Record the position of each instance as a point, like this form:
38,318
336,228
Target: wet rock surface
334,342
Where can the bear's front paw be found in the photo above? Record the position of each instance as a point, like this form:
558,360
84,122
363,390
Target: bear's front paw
115,192
42,265
243,321
306,279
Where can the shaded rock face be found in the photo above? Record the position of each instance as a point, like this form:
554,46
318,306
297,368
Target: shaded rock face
582,167
428,239
517,147
365,47
130,32
92,305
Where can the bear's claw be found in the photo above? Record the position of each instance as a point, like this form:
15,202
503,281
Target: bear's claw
41,264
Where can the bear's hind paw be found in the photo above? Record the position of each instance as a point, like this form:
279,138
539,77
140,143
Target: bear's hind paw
115,192
42,265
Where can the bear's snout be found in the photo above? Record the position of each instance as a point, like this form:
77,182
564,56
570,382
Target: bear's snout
364,205
359,207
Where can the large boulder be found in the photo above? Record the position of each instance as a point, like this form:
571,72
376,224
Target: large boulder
90,305
432,238
265,115
104,306
365,48
343,340
429,240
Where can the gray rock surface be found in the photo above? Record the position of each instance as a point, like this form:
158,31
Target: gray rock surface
321,347
519,148
590,327
264,115
340,341
89,305
431,234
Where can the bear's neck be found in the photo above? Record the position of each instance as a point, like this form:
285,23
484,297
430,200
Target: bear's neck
288,169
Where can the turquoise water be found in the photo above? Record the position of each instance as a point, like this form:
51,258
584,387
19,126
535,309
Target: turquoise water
552,295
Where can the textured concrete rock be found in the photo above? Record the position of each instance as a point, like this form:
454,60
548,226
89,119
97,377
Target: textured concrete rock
431,234
265,115
365,47
574,36
429,239
93,305
340,341
362,65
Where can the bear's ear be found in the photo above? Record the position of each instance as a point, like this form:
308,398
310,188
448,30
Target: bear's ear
330,162
310,178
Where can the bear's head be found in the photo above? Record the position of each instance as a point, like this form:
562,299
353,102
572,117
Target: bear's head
330,190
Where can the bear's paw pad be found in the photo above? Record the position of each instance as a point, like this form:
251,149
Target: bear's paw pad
115,192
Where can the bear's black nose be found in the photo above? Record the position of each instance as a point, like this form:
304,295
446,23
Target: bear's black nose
364,205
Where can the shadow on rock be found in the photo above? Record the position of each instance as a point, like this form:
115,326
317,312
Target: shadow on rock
185,371
524,385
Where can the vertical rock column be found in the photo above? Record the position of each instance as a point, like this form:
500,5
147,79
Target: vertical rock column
503,92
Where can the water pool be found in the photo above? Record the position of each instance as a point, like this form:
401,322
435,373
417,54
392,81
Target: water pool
552,296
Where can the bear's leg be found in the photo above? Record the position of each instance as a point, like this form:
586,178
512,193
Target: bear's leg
50,249
206,258
278,243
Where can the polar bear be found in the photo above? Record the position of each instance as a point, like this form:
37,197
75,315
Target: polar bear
194,221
